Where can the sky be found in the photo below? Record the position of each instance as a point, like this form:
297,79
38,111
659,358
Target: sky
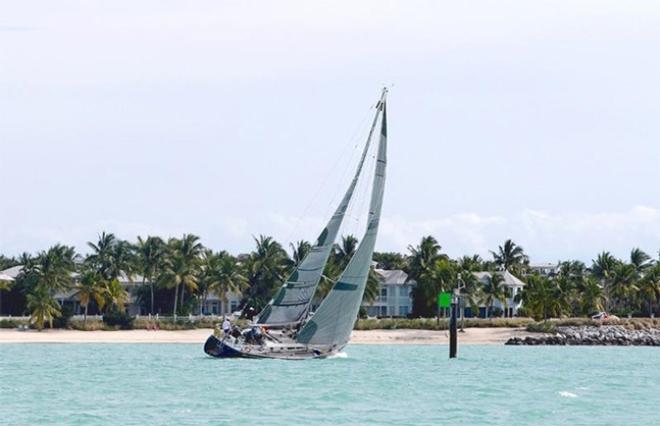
536,121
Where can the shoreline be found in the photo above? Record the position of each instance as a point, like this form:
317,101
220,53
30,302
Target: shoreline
471,336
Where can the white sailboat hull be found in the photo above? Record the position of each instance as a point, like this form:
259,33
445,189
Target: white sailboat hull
229,347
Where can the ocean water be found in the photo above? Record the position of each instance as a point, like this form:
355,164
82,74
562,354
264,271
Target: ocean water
120,384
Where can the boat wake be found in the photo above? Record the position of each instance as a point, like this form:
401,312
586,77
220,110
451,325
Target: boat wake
567,394
338,355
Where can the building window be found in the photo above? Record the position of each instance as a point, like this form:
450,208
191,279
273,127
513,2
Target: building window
234,305
403,291
383,295
404,311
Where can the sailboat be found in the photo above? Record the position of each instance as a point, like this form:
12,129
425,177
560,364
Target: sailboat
286,328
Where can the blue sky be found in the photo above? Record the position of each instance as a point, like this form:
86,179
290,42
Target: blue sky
537,121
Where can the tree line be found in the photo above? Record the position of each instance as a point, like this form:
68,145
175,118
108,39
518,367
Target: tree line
177,275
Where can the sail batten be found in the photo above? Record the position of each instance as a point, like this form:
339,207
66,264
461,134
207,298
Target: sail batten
333,321
291,302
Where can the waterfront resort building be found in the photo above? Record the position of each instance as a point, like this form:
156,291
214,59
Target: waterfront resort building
544,268
513,287
394,295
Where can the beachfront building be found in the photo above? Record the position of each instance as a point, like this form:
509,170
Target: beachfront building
216,305
544,268
394,295
513,285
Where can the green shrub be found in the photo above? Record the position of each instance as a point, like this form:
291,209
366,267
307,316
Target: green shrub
10,323
434,324
63,321
542,327
89,325
118,319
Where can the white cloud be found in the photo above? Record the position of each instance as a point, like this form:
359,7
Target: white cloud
545,235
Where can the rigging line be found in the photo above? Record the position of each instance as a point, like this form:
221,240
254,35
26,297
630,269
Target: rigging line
352,141
349,169
357,219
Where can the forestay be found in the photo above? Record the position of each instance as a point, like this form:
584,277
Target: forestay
292,300
332,323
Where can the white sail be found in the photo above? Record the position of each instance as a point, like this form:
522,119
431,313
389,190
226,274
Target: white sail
292,300
333,321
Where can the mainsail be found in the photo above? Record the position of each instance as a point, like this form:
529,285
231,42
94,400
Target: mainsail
292,300
333,321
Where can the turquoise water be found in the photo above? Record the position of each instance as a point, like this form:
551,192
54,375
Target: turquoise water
177,384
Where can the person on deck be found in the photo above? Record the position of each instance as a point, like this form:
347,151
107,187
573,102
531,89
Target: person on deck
226,327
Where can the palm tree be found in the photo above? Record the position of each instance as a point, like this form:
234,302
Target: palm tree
115,295
603,269
469,288
471,263
90,287
102,257
371,288
441,277
423,256
624,285
225,276
48,273
299,251
422,259
650,286
592,298
4,285
344,252
123,260
539,297
181,267
150,254
640,260
510,257
43,307
265,270
390,260
494,289
52,269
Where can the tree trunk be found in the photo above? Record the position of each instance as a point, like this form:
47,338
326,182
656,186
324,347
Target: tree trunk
176,299
85,317
650,307
183,292
151,287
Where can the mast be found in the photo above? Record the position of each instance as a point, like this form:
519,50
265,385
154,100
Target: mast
292,301
332,323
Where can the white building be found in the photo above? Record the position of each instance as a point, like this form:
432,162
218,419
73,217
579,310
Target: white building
544,268
215,305
513,285
394,295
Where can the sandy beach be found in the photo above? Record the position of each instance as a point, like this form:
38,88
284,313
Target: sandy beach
474,336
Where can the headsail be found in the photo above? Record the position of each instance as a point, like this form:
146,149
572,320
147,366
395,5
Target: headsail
334,319
292,300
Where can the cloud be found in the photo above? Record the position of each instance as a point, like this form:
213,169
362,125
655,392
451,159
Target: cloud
545,235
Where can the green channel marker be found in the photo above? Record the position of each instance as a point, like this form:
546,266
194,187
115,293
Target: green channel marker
444,300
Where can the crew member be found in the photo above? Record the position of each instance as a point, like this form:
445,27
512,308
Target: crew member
226,327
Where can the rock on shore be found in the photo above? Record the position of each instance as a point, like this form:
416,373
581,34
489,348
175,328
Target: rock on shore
607,335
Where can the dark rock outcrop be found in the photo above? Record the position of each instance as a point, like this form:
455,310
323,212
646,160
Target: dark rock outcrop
607,335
